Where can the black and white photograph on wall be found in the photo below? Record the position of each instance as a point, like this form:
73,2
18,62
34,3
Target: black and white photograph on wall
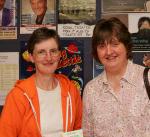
37,13
123,6
8,29
71,62
140,31
142,58
76,18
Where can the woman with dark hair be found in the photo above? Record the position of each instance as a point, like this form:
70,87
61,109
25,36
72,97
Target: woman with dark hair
143,29
45,104
144,23
115,103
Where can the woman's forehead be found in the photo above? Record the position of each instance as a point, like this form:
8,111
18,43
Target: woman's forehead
109,39
50,43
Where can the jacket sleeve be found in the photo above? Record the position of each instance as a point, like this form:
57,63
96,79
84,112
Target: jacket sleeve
87,119
10,120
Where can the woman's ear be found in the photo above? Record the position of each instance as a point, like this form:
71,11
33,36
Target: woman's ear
31,57
59,56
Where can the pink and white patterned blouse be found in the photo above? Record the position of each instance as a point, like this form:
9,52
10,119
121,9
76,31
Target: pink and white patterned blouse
110,114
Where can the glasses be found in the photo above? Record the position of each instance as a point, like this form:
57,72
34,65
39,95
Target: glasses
43,53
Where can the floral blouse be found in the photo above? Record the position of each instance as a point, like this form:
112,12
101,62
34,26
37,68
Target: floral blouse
110,114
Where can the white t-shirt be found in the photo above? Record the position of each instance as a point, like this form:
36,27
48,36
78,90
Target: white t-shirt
50,112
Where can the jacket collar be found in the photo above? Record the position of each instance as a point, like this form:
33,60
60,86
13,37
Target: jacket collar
28,85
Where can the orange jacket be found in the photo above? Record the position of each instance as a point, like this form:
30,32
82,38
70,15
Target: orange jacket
21,116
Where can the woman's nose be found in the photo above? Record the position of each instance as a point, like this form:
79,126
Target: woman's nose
48,56
108,49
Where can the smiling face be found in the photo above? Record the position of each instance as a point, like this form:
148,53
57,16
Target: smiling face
2,2
46,56
112,54
39,6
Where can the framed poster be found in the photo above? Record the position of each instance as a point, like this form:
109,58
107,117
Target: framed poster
123,6
71,62
76,18
35,14
8,28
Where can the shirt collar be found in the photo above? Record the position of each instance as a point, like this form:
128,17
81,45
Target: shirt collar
104,77
128,76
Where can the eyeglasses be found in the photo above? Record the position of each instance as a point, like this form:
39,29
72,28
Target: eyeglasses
43,53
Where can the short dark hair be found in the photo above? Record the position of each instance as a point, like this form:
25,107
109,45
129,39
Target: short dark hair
105,29
143,19
40,35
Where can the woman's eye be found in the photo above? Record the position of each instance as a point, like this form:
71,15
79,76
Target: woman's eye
54,50
115,44
101,45
41,52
